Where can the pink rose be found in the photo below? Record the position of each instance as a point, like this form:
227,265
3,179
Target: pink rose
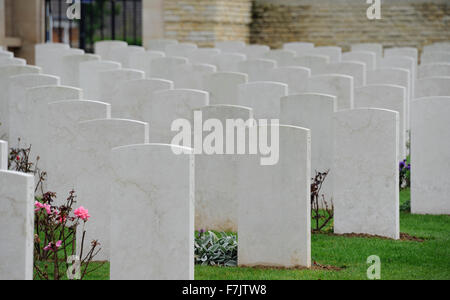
82,213
52,247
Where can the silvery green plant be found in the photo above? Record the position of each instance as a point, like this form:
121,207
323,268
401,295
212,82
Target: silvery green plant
216,249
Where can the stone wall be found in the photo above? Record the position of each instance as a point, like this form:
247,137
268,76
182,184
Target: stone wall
344,22
207,21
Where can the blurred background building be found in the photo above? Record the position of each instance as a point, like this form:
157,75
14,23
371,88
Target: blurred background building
272,22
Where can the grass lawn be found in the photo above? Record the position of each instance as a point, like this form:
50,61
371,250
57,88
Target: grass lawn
429,259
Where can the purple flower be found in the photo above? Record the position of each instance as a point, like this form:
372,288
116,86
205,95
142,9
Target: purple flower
402,165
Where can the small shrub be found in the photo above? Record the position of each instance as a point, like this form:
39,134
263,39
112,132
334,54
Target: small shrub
406,206
216,249
322,211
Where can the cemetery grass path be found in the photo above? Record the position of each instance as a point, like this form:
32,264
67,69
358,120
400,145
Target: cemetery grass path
399,259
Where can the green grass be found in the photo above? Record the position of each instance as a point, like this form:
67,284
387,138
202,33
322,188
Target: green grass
399,259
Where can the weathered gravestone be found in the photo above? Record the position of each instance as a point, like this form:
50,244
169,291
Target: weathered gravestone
89,76
180,50
191,76
402,62
160,187
203,55
274,203
255,51
334,53
63,119
143,60
166,68
392,97
430,156
5,74
340,86
41,50
230,46
132,96
223,86
95,139
8,61
263,97
16,225
366,173
216,174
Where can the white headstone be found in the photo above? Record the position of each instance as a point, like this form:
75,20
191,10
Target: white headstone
312,62
70,68
441,46
161,186
403,51
16,225
203,55
16,105
340,86
256,68
355,69
52,59
191,76
180,50
230,46
169,105
435,57
263,97
41,49
366,174
300,48
123,54
315,112
434,70
216,203
334,53
8,61
89,76
282,57
96,138
274,225
6,54
295,77
432,86
367,57
228,62
223,86
4,155
143,60
371,47
166,67
110,80
392,97
159,44
31,114
5,73
255,51
402,62
63,119
104,48
393,76
132,96
430,156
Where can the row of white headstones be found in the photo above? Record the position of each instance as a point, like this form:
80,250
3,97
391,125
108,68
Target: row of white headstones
141,196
